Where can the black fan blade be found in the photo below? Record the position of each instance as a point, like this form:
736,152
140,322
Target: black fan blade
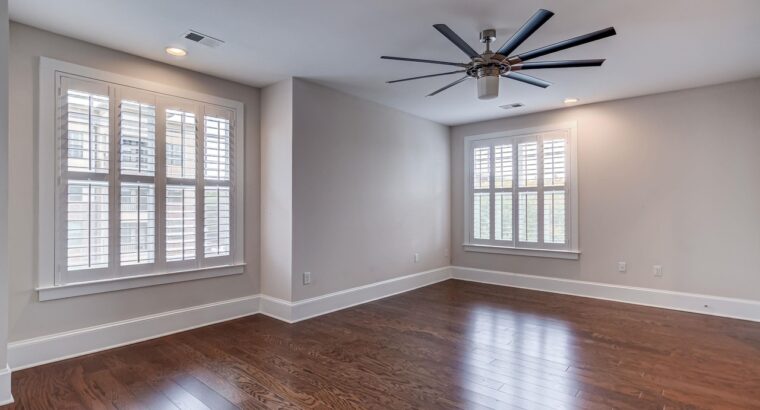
425,76
417,60
530,27
454,38
576,41
557,64
528,79
448,86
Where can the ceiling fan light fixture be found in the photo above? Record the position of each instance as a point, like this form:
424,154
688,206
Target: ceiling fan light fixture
488,83
488,88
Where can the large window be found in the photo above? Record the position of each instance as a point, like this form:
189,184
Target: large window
520,192
145,181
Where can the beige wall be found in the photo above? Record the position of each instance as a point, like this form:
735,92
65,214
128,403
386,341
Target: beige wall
667,179
370,188
277,189
30,318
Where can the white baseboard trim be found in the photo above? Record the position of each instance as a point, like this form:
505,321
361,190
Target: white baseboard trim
292,312
5,386
51,348
45,349
687,302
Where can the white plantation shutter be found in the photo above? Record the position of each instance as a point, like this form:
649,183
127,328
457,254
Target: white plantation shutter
87,128
217,182
182,200
554,176
527,191
216,149
138,223
527,160
84,170
147,183
481,221
482,201
180,223
503,216
554,217
137,181
554,162
216,227
518,190
527,206
503,184
87,225
180,144
138,138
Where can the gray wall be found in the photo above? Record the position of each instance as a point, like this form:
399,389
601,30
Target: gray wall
30,318
277,189
370,188
667,179
4,34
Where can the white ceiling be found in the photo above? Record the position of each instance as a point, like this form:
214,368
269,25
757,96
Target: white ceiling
660,46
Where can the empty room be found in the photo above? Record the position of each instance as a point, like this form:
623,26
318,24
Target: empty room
379,204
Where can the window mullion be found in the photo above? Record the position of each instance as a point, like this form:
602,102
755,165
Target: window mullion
160,191
114,192
491,194
540,188
200,134
515,202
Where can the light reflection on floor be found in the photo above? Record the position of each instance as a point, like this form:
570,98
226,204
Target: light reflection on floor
522,357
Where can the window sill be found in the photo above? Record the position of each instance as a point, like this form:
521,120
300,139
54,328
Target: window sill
110,285
541,253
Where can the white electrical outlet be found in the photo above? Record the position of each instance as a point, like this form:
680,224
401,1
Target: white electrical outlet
416,257
306,278
657,270
622,267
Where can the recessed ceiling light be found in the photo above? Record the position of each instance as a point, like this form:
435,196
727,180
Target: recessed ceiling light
176,51
571,100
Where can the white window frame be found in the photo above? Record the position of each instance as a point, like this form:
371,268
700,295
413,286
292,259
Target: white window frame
49,283
570,250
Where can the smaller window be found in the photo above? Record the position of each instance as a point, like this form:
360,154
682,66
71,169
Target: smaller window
521,190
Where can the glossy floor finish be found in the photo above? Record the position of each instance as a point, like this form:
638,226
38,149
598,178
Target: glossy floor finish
450,345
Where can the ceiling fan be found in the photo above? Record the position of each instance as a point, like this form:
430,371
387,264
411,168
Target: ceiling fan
489,66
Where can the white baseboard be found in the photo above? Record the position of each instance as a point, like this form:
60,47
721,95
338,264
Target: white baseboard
292,312
687,302
5,386
46,349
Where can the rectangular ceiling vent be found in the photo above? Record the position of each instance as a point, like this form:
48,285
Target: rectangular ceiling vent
510,106
204,39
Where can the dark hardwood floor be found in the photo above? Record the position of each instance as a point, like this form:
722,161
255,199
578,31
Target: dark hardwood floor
450,345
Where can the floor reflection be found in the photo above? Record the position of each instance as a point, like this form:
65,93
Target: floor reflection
518,360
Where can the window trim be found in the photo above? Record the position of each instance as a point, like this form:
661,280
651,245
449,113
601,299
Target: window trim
49,70
572,250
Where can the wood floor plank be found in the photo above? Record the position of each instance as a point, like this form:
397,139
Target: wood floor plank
452,345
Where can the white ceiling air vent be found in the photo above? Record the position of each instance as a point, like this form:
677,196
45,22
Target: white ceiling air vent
204,39
510,106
